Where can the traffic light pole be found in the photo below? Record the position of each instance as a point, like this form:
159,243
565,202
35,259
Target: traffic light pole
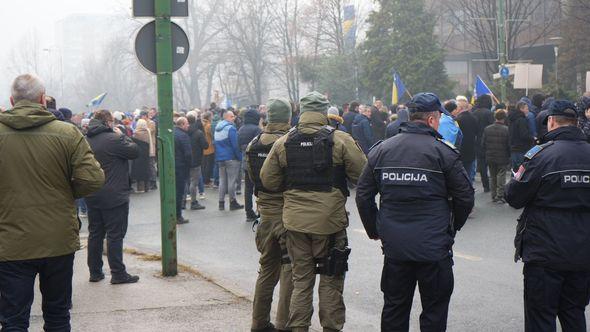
166,137
502,45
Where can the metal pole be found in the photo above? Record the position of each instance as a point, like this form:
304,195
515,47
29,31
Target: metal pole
502,44
166,137
556,50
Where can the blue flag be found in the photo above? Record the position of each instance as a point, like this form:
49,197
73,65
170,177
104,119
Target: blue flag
481,88
96,101
398,89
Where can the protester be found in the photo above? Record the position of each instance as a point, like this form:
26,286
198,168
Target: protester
198,145
228,156
542,116
361,129
246,134
496,146
449,127
349,117
182,162
335,119
46,165
208,153
108,209
469,127
378,124
140,169
403,116
483,113
530,116
521,139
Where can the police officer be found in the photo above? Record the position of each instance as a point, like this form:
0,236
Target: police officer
314,162
270,234
425,198
553,233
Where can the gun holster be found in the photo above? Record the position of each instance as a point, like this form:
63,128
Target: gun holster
335,263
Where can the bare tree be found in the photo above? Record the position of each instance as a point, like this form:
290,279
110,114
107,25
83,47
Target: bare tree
476,20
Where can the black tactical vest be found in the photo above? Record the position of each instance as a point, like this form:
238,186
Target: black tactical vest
256,156
309,162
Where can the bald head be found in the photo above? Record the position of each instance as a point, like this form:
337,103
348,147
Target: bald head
27,87
229,116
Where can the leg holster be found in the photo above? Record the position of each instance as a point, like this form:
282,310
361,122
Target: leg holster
336,262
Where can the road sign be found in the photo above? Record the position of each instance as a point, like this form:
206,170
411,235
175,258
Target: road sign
504,72
145,47
146,8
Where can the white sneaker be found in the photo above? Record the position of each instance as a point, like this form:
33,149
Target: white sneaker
202,196
188,197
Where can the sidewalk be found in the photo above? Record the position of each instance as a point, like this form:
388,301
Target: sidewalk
187,302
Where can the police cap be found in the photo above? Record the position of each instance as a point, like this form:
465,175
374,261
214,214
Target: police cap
562,108
426,102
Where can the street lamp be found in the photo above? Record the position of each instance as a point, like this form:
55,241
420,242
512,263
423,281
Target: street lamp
556,41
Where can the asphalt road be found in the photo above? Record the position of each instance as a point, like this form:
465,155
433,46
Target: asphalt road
488,284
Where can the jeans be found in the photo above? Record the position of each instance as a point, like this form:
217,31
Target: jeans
470,167
248,193
550,293
111,223
398,282
81,203
516,158
228,172
195,178
207,167
201,185
239,177
182,177
17,282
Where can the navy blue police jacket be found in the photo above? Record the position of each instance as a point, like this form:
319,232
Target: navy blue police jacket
425,195
553,186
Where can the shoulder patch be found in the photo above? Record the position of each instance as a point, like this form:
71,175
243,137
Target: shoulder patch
375,145
536,149
448,144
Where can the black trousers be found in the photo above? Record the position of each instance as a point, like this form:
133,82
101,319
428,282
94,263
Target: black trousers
398,282
182,176
249,192
551,294
17,281
111,223
207,163
482,168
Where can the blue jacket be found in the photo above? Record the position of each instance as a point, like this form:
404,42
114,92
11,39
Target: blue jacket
403,116
226,142
422,183
362,133
183,152
450,131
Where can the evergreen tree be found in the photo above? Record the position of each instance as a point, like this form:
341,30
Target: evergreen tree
401,38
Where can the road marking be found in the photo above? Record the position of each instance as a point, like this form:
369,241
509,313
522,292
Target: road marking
468,257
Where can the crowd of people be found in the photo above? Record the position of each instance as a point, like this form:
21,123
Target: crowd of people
300,161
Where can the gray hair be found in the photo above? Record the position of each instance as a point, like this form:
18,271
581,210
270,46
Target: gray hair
27,87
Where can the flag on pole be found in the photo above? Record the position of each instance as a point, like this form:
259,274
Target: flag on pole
349,26
398,90
97,100
481,89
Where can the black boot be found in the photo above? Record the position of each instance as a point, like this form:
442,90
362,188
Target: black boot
196,206
234,205
251,216
181,220
221,206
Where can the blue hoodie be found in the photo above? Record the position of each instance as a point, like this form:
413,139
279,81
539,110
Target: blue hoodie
450,131
226,142
530,117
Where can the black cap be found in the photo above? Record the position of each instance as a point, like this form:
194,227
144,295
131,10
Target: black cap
426,102
562,108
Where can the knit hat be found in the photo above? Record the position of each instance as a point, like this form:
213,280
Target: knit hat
333,111
314,102
278,110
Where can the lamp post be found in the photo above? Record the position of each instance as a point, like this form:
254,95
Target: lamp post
556,41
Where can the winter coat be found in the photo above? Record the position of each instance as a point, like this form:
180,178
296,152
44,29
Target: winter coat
362,133
140,167
198,144
521,139
45,165
113,152
208,131
249,130
484,117
450,131
183,154
469,127
337,122
226,142
496,144
393,128
349,119
314,212
378,125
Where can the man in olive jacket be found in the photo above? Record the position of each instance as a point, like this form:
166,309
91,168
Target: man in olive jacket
46,165
314,161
